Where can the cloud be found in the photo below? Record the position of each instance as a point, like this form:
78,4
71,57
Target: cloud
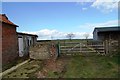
47,34
91,26
105,24
105,6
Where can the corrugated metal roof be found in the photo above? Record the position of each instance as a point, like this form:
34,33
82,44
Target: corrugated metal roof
105,29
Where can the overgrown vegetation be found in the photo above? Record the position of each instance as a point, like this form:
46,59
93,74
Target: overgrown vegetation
77,67
27,70
89,67
13,63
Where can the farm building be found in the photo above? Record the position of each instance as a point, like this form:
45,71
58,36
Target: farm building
25,41
8,39
106,33
110,36
12,43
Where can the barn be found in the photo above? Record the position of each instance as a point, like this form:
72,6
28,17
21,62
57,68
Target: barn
106,33
110,36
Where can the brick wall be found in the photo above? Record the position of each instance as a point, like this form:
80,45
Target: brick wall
0,46
9,43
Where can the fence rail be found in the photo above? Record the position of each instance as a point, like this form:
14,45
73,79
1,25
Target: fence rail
81,47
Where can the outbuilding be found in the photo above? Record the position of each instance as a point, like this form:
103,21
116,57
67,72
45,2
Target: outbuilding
110,36
106,33
8,40
25,40
13,44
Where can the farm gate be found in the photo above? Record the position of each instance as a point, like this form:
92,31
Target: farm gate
81,48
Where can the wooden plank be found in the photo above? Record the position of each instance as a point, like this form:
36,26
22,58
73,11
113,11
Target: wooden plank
74,49
79,52
96,45
67,46
69,43
99,48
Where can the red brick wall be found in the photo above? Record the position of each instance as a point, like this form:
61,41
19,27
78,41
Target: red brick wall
0,46
9,43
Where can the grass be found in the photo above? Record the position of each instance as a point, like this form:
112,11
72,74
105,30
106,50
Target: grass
92,67
77,67
52,74
27,70
13,63
89,67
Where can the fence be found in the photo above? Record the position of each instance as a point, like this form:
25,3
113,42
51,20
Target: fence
111,46
79,48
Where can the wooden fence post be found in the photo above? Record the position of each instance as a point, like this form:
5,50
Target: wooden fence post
106,47
58,48
80,47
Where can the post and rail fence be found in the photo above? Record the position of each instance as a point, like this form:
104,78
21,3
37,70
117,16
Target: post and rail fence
78,48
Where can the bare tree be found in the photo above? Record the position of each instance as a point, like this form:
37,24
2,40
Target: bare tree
52,37
86,35
70,36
